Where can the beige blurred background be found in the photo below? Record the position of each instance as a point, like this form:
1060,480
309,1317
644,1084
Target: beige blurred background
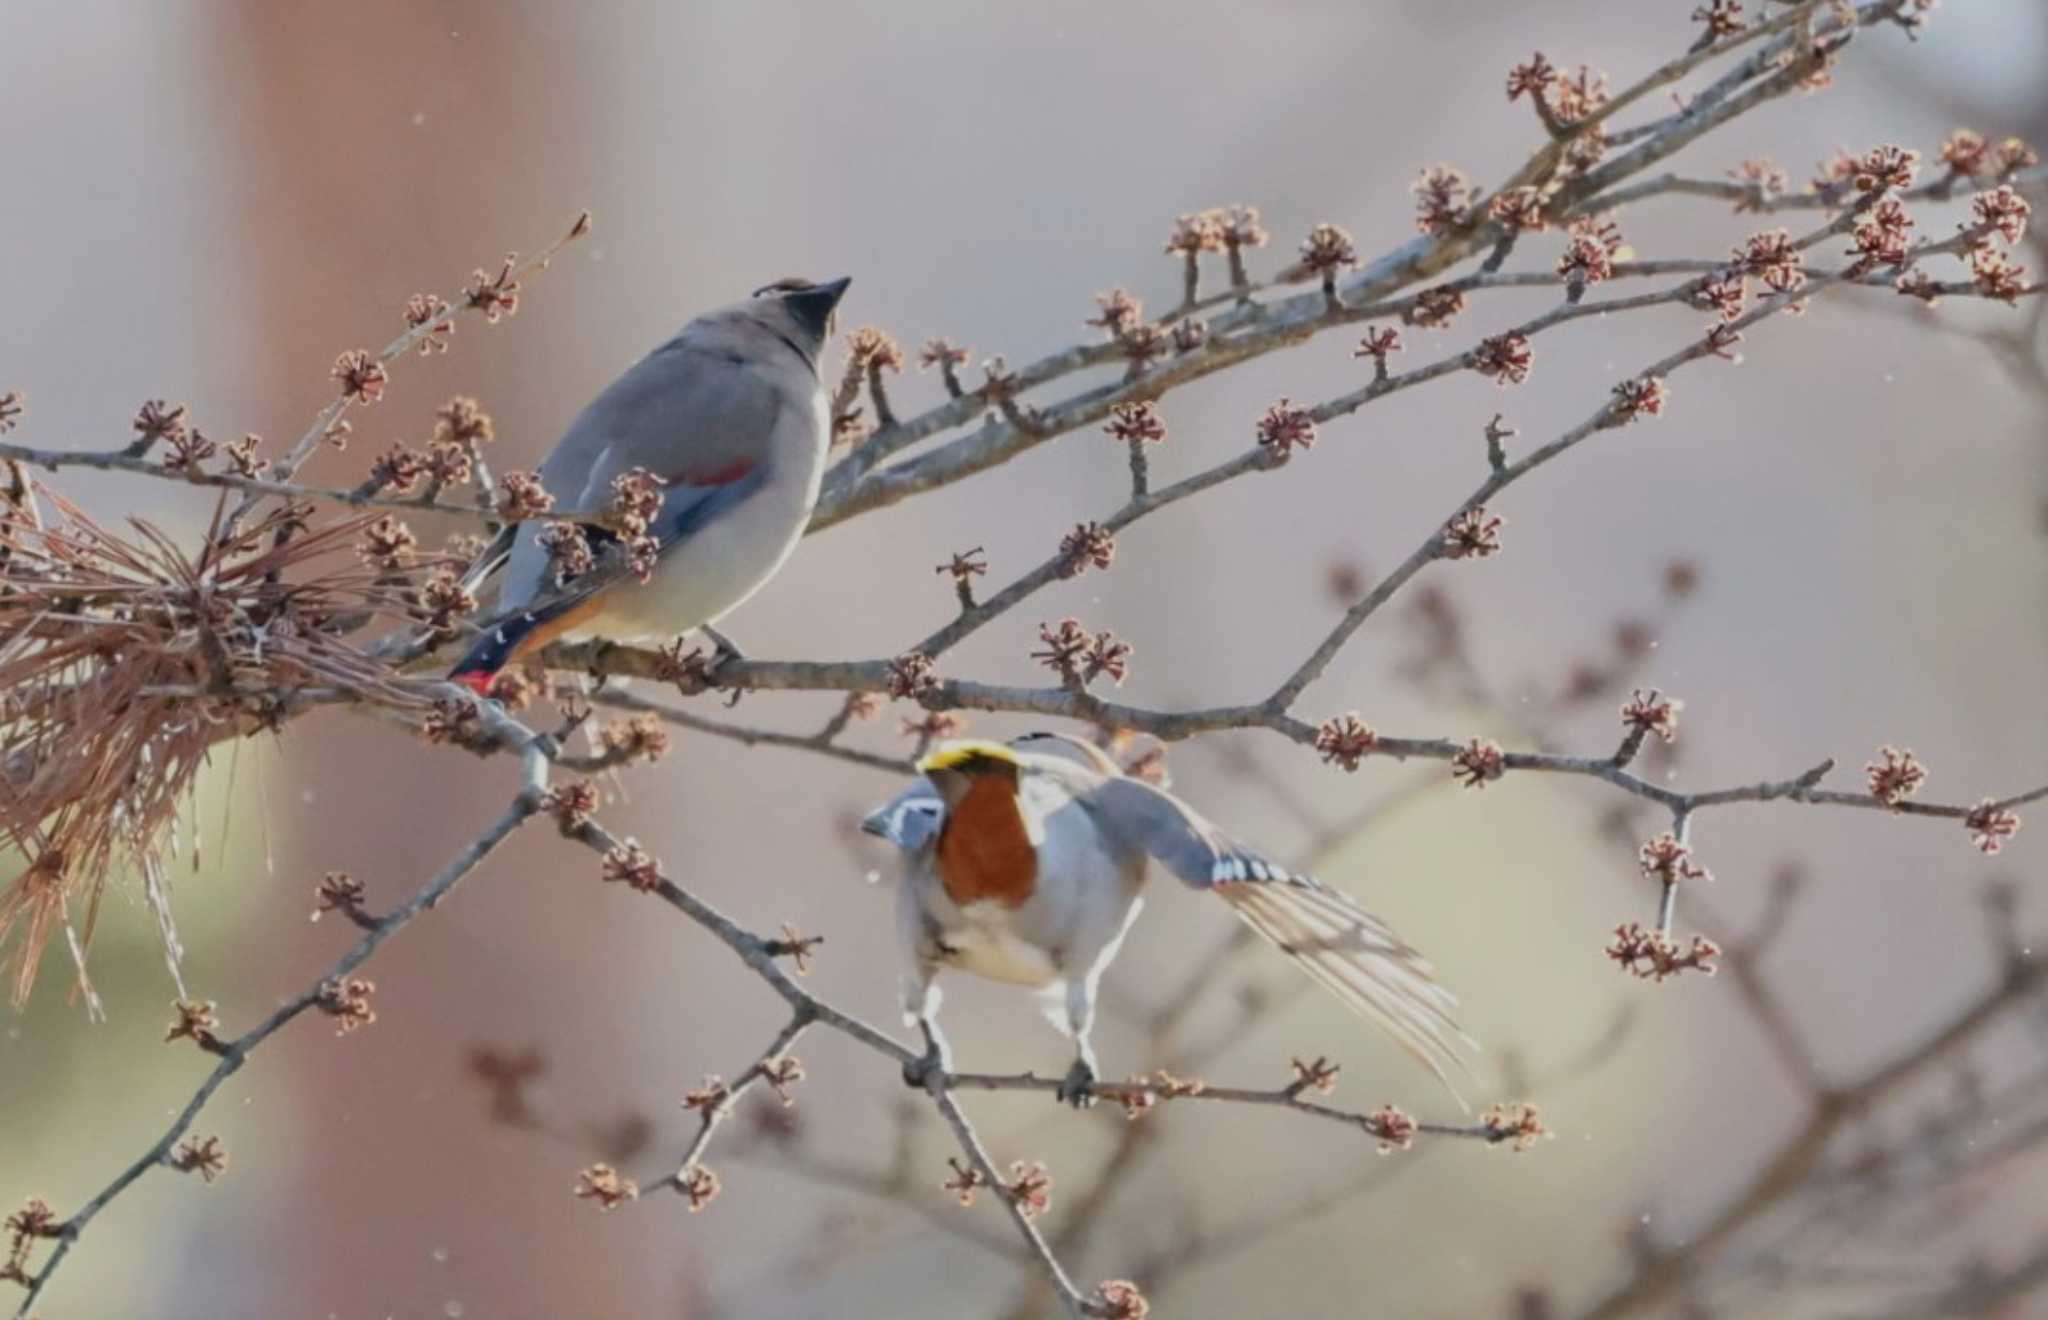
208,201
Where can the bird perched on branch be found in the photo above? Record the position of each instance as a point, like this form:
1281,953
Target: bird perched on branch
1026,863
728,427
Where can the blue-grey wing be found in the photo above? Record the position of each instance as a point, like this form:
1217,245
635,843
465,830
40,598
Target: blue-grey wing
695,415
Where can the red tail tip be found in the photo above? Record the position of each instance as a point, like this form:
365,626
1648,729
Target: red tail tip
476,680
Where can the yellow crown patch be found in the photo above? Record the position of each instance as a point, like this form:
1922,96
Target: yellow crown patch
954,755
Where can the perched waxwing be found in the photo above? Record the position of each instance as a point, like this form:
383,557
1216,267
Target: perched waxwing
732,424
1026,862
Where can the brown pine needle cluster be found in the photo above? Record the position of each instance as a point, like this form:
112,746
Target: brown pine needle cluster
128,653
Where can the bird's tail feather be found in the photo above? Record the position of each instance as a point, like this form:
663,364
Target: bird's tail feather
1353,955
519,635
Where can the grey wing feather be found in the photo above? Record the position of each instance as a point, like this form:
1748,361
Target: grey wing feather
1345,949
1359,960
1159,824
680,395
1044,742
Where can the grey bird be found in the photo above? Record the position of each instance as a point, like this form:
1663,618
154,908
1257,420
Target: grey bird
1026,863
730,418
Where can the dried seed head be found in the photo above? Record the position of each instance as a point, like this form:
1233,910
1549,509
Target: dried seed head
1435,308
964,1181
1119,1299
1966,153
1651,712
1504,359
912,675
463,421
1520,210
606,1186
1377,343
1773,258
1285,428
1886,168
1895,776
1327,250
522,496
1722,17
1196,233
362,376
206,1157
2003,212
157,420
1585,261
1030,1186
1441,195
873,349
1394,1129
1136,421
699,1184
494,295
629,864
1089,545
1644,397
1669,861
1652,956
1241,228
424,308
1479,763
1519,1125
1990,825
398,469
1345,740
1473,534
1118,311
347,1001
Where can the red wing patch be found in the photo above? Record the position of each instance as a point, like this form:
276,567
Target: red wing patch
723,476
476,680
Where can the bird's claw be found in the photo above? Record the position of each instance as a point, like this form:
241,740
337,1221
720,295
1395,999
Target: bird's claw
921,1072
723,654
723,650
1077,1088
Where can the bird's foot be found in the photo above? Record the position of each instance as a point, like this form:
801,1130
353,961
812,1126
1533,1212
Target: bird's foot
1077,1088
724,650
724,654
920,1073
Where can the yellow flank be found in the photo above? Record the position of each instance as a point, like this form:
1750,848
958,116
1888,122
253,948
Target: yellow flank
952,754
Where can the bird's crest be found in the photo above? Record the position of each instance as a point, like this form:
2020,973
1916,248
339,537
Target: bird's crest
963,754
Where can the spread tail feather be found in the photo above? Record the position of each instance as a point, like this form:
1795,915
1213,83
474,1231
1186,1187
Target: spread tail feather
1354,956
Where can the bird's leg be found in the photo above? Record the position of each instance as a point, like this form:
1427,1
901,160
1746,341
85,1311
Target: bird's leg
1078,1087
922,1073
921,1006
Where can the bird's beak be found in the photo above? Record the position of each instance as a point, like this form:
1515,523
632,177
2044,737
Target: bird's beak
812,306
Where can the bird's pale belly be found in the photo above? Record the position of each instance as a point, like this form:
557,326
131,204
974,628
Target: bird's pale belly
698,583
985,948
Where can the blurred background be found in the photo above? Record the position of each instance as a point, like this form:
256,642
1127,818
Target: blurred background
206,202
